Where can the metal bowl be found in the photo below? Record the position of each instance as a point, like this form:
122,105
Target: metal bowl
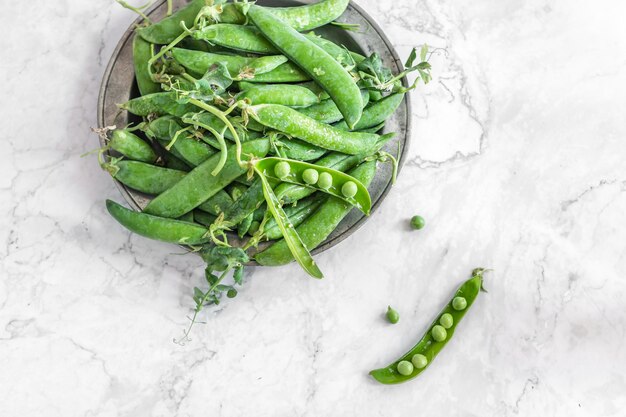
118,86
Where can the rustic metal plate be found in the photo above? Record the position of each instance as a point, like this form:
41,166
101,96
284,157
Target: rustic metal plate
118,86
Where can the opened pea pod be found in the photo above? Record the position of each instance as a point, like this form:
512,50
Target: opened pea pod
327,180
439,333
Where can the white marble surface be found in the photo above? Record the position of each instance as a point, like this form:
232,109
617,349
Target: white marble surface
517,163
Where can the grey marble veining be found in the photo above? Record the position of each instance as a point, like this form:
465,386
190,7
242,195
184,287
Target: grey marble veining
517,163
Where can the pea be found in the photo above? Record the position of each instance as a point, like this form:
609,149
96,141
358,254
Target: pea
439,333
232,293
459,303
446,320
310,176
325,181
282,169
392,315
349,189
417,222
405,368
419,361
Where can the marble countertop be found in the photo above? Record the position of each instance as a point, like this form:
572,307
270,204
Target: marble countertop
517,163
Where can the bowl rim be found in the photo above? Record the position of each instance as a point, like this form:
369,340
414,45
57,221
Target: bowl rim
327,244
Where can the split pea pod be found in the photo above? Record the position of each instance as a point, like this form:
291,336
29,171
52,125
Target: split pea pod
320,225
326,180
294,123
313,60
142,52
145,178
237,37
158,228
131,146
284,94
169,28
199,184
300,18
416,360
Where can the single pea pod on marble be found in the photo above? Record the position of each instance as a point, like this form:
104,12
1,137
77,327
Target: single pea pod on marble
317,227
326,180
439,333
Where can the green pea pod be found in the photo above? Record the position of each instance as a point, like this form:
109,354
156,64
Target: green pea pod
199,185
320,225
158,228
262,65
297,215
294,123
374,129
217,204
376,113
169,28
285,73
204,218
142,52
199,62
131,146
311,16
143,177
174,162
185,146
314,87
157,104
330,75
290,193
302,151
340,54
293,241
428,347
300,18
284,94
327,111
237,37
187,217
361,198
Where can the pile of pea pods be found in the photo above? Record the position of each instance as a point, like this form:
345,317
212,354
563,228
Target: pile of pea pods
250,123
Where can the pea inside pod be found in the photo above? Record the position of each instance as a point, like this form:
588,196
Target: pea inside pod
435,339
330,181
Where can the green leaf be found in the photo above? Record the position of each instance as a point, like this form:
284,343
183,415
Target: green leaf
221,258
412,58
238,275
423,53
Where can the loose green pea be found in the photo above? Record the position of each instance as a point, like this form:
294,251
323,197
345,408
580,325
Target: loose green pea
446,320
459,303
232,293
349,189
310,176
282,169
418,222
439,333
419,361
325,181
392,315
405,368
